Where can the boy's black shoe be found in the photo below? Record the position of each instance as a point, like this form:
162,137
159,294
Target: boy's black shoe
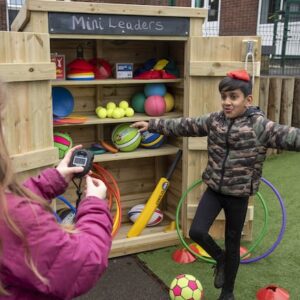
219,273
226,296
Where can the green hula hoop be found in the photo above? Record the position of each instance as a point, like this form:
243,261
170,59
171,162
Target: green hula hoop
210,260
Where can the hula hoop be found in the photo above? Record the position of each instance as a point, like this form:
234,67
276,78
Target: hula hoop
282,229
256,242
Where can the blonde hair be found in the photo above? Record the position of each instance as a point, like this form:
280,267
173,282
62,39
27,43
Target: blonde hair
8,182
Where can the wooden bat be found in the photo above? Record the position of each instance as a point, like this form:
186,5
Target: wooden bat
154,200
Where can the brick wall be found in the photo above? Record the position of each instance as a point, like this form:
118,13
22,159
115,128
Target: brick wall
3,25
238,17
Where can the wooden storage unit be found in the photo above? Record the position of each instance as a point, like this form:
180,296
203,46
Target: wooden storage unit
202,63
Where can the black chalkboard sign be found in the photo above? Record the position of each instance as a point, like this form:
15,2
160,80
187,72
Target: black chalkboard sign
77,23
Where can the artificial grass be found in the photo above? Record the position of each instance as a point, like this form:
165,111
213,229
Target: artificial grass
281,268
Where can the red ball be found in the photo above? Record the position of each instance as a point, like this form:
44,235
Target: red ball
155,105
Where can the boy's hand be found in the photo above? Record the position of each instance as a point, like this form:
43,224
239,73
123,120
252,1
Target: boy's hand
95,187
63,167
141,125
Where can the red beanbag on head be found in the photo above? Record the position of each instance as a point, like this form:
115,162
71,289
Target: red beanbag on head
239,74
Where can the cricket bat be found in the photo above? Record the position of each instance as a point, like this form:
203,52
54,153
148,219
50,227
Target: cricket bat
154,200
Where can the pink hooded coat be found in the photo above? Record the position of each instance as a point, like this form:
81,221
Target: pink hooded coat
72,263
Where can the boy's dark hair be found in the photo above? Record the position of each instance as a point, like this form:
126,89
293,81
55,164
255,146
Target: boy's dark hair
229,84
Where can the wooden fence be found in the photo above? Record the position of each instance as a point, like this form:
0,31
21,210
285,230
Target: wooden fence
279,98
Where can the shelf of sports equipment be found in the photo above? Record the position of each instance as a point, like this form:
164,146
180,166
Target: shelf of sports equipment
138,153
92,119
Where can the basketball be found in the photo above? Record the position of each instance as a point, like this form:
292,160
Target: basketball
137,102
169,99
152,140
155,106
63,142
126,138
136,210
152,89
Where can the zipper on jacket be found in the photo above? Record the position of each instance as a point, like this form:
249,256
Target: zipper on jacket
226,155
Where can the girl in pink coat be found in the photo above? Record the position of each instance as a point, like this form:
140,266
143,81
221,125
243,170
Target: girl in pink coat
39,259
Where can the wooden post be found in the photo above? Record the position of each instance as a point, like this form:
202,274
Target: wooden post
274,99
264,94
287,101
296,104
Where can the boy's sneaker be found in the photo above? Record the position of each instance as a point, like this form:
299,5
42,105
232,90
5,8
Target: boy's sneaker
219,273
226,296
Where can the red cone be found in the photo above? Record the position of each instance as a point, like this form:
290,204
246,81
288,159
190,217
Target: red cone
272,292
183,256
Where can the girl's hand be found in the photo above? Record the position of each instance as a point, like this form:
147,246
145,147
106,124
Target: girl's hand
141,125
95,187
63,167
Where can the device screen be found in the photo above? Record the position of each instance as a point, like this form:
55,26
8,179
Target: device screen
79,161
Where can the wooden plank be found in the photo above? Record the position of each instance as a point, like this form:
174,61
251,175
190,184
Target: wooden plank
286,108
139,153
197,143
34,159
111,81
296,104
117,37
22,19
21,47
145,242
15,72
217,68
264,94
118,9
93,119
274,99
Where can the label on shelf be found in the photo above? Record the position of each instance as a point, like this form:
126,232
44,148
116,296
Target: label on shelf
124,70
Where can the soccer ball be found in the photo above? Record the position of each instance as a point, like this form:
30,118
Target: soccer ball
185,287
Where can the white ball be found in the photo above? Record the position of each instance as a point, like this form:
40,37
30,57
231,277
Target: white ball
136,210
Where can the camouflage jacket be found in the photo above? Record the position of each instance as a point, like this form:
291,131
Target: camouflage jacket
236,147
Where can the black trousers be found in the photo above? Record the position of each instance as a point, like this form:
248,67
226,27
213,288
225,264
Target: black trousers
235,209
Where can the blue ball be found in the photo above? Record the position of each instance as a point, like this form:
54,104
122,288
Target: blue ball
154,89
152,140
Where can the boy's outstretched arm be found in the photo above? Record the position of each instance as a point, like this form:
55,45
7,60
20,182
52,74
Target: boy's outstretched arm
274,135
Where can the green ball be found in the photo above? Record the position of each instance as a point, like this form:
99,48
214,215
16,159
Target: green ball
63,142
126,138
137,102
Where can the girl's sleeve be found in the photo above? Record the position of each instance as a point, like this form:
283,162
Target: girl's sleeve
48,184
274,135
71,262
181,126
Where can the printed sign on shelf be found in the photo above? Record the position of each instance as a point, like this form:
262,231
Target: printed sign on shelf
59,61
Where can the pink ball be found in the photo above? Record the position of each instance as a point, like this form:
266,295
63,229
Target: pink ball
155,105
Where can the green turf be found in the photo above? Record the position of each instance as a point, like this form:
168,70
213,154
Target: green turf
281,267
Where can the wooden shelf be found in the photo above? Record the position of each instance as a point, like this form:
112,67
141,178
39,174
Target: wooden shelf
111,82
150,238
94,120
138,153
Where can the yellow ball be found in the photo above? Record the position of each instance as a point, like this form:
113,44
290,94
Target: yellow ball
118,113
109,112
124,104
102,113
111,105
169,99
129,112
97,108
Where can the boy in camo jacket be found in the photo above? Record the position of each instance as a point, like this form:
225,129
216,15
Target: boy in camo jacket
238,138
